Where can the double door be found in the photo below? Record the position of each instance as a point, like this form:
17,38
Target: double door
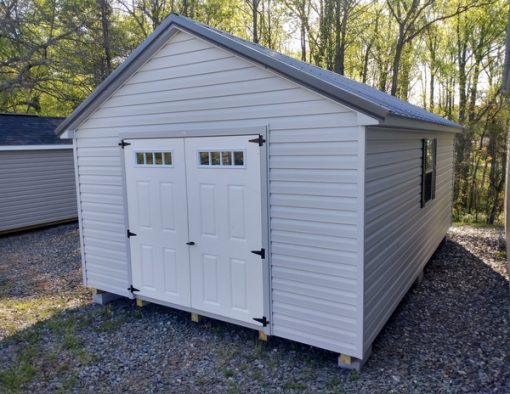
195,207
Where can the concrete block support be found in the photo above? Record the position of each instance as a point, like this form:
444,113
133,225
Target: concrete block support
103,297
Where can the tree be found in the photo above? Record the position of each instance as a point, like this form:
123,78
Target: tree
445,55
413,17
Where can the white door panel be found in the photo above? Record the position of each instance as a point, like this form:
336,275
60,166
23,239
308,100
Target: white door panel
210,194
224,204
158,216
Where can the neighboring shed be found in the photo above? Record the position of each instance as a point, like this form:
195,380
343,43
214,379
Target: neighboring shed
222,178
37,184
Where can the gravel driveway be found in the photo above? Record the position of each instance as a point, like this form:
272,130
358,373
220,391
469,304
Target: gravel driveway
450,334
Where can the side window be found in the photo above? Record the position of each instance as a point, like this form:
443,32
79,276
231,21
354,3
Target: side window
428,176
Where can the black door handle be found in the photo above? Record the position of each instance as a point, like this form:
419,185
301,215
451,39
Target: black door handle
190,243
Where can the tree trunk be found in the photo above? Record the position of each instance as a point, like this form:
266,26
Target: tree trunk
474,91
462,60
104,9
432,84
255,20
341,18
303,41
396,65
364,71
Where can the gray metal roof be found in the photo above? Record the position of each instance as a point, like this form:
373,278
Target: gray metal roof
356,95
393,104
21,129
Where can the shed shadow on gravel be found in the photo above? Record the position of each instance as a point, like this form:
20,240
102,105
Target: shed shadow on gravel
450,333
40,262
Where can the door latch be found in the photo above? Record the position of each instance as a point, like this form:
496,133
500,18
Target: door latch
191,243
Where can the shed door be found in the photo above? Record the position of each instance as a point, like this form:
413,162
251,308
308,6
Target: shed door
156,189
225,214
201,190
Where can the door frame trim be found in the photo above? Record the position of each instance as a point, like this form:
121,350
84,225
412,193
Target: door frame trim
126,219
183,133
265,209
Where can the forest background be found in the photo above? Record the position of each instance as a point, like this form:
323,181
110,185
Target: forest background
444,55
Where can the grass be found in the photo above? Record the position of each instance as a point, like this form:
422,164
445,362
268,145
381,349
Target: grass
480,221
460,223
45,332
295,386
46,349
334,385
501,254
354,376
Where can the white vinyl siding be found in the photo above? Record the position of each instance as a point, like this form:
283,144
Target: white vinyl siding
313,172
400,236
36,187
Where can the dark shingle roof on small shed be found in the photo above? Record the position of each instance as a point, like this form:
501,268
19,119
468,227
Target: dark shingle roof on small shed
21,129
356,95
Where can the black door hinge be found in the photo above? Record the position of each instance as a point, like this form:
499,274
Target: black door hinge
259,140
123,144
261,253
132,289
130,234
262,320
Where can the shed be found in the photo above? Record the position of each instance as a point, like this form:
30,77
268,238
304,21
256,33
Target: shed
221,178
37,185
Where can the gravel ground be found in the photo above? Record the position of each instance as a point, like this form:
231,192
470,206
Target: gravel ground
450,333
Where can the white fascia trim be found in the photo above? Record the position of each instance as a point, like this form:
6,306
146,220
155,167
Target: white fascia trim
34,147
68,134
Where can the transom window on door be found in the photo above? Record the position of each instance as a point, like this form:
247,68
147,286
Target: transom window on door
221,158
153,159
428,187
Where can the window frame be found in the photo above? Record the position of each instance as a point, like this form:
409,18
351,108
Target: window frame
428,195
154,165
221,151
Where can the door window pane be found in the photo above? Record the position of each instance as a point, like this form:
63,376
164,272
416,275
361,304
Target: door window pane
153,159
221,158
226,158
215,158
239,158
204,158
167,158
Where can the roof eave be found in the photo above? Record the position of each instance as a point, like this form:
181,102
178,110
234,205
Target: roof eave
400,122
